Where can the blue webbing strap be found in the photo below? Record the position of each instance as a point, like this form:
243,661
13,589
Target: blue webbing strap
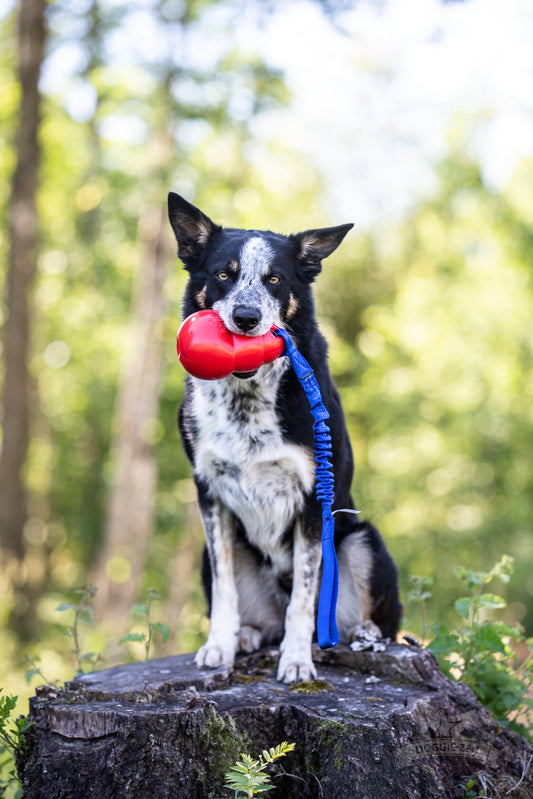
326,625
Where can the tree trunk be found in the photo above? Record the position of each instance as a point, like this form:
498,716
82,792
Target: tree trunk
130,518
377,725
22,268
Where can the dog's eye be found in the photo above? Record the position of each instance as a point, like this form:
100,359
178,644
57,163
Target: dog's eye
273,279
222,275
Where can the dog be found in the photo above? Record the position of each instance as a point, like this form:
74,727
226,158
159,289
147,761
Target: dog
249,438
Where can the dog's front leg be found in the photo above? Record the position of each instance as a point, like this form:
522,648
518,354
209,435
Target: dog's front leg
295,663
223,638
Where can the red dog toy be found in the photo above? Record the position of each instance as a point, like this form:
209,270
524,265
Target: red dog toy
207,349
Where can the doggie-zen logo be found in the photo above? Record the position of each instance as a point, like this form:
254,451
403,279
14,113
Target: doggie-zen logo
448,736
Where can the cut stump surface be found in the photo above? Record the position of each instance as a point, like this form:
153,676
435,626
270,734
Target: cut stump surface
375,725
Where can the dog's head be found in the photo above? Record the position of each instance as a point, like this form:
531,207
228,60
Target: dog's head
253,278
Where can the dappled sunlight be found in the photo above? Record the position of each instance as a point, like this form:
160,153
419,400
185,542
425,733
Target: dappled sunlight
427,312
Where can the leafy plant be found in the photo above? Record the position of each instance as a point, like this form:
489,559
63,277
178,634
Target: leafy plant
469,790
12,740
83,614
36,671
482,652
144,612
248,776
419,592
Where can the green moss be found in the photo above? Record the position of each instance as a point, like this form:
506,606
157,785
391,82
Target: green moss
311,687
245,679
220,745
331,739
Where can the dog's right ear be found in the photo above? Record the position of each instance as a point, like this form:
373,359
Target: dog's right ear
191,227
315,245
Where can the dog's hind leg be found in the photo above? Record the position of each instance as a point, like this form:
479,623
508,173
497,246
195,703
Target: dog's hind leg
354,600
223,638
295,663
250,639
262,600
368,592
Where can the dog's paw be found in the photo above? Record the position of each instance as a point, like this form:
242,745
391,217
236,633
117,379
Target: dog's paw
249,639
292,668
367,636
212,655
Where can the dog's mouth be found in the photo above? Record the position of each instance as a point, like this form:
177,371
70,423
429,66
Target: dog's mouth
245,375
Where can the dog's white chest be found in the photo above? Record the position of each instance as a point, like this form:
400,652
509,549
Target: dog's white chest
241,455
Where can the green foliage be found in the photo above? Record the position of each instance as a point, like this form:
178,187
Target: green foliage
469,790
482,652
430,346
14,738
13,741
36,671
419,591
83,614
248,776
144,612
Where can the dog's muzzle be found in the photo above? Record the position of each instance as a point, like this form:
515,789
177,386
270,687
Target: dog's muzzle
246,317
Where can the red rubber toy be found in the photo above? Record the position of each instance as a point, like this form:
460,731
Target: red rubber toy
208,350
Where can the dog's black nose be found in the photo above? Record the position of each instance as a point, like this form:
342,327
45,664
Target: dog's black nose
246,318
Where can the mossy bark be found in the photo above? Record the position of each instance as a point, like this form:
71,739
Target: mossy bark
382,725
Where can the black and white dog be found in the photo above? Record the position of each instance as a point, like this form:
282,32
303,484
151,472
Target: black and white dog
249,438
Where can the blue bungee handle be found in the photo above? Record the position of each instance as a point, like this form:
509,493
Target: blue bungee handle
326,624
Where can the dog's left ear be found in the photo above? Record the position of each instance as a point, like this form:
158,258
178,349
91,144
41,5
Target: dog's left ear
191,227
315,245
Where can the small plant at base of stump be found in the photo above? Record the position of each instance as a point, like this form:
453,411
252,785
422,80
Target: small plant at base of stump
248,778
12,740
482,652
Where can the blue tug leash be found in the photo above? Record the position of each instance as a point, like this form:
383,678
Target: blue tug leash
326,624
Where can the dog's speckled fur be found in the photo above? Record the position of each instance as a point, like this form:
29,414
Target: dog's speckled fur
250,441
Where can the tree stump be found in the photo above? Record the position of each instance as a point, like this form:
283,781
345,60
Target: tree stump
376,725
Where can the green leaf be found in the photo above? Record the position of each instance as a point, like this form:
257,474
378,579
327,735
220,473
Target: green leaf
141,637
486,636
419,589
65,606
240,767
139,610
505,629
85,614
258,783
444,644
463,606
24,724
7,705
88,657
473,578
504,569
412,597
162,629
491,601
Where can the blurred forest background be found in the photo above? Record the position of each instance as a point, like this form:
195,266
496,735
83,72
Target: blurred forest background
428,305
